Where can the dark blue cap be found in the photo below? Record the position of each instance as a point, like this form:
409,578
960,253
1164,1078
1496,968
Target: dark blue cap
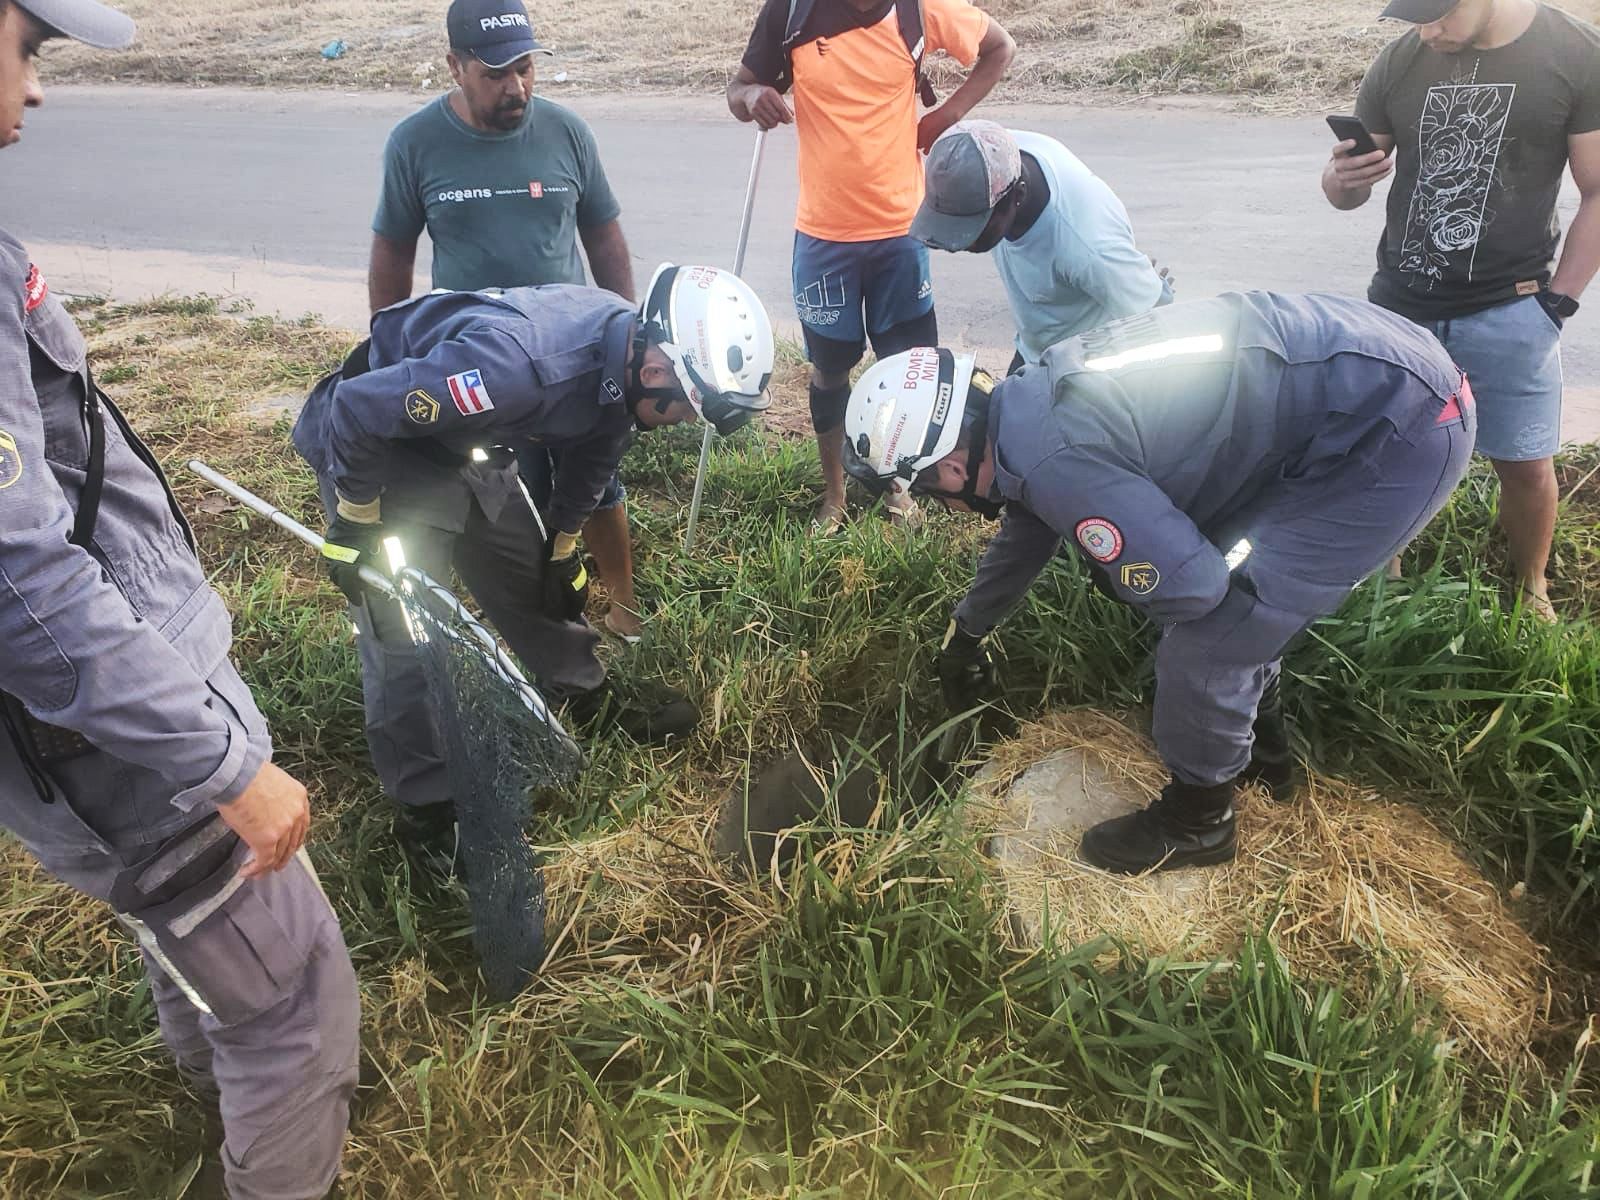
495,32
1419,12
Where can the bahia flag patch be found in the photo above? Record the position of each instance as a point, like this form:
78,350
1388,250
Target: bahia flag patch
467,390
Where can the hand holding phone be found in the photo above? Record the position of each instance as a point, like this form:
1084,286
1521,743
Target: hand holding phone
1350,129
1351,172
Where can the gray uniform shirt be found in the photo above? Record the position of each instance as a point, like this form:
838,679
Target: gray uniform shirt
1148,440
116,642
502,209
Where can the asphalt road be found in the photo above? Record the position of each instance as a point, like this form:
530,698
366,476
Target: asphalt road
137,191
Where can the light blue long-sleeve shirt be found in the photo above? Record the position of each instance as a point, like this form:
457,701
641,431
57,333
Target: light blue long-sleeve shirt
1078,267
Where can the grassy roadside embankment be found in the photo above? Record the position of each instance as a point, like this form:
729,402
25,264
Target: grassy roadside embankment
1297,54
867,1029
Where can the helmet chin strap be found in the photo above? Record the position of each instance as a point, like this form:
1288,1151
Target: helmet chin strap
636,393
978,400
968,495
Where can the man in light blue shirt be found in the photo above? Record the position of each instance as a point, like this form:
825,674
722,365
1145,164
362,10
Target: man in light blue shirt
1060,237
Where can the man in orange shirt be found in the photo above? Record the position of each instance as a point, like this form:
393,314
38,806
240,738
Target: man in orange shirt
855,66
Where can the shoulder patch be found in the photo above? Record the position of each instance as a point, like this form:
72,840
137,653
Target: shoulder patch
10,460
467,390
421,408
1100,538
1141,578
35,290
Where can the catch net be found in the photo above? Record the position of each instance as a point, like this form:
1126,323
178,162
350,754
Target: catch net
502,744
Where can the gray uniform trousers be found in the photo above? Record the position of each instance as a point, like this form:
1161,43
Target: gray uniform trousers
253,985
1312,540
499,557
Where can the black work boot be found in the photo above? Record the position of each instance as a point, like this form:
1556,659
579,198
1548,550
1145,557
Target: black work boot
1271,762
427,837
653,714
1186,826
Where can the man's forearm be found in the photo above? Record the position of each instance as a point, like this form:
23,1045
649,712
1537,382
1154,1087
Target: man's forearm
1580,257
389,272
989,70
609,260
739,94
1342,198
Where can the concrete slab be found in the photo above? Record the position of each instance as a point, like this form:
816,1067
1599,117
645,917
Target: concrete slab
1045,812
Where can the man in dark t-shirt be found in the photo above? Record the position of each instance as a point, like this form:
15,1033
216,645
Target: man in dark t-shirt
1483,105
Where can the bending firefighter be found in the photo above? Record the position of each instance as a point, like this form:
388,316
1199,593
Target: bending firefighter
410,440
1231,467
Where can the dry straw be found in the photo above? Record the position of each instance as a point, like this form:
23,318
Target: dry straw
1341,876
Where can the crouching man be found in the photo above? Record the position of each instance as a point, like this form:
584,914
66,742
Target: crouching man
410,440
1231,467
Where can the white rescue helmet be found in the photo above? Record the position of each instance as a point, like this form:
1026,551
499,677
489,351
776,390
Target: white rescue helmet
905,415
712,326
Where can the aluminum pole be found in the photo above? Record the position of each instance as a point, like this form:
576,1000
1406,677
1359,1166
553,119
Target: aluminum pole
370,576
738,269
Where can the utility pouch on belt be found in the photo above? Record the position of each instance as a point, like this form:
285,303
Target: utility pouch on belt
48,744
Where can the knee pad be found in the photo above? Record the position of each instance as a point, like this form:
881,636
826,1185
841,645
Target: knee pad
827,406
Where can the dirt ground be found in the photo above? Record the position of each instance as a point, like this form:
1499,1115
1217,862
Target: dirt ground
1300,53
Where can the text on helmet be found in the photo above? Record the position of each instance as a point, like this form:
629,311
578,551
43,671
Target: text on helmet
922,366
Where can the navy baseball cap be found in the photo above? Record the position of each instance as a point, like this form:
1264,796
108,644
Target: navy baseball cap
1419,12
495,32
85,21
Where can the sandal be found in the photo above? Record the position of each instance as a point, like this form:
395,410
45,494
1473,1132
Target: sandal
633,639
905,513
828,520
1539,607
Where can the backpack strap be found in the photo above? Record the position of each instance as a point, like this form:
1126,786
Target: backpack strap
95,474
793,30
907,12
913,31
96,406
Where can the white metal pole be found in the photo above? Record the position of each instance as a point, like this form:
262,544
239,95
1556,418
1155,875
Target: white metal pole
738,269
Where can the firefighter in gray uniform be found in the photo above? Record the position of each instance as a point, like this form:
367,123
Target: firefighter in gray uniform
1230,467
133,761
409,440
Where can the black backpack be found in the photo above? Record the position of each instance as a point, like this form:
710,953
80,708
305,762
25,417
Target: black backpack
909,13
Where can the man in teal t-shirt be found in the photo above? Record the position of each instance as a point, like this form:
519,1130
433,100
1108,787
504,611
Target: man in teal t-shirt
506,184
503,208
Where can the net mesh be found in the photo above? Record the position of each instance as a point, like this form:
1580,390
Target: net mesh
501,745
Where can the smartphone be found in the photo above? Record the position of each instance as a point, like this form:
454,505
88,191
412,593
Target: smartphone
1348,129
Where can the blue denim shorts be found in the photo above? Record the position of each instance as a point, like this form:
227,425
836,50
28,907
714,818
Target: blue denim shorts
1512,356
537,466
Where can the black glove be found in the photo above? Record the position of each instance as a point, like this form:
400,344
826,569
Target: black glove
967,672
564,584
347,546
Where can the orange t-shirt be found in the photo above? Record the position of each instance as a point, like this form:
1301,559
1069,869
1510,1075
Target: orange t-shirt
856,110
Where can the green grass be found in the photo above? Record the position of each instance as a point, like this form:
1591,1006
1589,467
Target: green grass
869,1029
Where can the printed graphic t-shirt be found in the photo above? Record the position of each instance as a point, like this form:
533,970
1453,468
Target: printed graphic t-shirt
1078,267
502,209
1480,146
855,109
